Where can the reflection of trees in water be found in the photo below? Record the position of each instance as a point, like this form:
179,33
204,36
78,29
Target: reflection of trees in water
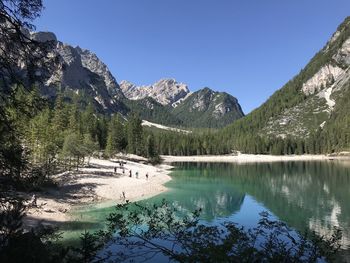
312,195
304,194
213,204
203,187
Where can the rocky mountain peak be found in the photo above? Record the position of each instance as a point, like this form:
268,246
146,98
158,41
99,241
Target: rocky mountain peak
164,91
209,108
80,71
220,102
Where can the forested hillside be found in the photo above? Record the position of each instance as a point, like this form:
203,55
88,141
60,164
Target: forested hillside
260,131
151,110
207,108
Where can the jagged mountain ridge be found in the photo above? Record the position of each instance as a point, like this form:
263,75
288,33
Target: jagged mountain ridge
164,91
79,71
203,108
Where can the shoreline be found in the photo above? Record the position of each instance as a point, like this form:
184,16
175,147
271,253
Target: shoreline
94,185
251,158
98,184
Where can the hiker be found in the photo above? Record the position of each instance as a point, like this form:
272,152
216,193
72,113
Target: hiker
123,195
130,174
137,175
33,201
146,176
115,169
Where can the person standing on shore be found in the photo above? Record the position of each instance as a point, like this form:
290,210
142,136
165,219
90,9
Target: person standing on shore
130,173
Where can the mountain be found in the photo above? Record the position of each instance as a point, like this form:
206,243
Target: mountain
166,91
208,108
204,108
314,104
80,71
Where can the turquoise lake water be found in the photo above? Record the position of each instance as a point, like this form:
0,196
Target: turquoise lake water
305,195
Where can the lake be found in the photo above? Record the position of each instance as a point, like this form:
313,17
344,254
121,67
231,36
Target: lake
305,195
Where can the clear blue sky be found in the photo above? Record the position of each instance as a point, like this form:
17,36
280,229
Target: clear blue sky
248,48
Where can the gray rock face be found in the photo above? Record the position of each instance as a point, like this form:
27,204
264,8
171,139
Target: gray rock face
95,65
165,91
343,54
332,72
43,36
323,78
81,71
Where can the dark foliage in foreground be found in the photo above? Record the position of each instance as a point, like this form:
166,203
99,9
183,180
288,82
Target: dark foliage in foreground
141,233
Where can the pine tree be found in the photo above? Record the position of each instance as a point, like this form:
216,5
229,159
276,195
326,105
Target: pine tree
102,132
89,146
89,120
75,124
59,121
151,147
135,135
72,149
116,141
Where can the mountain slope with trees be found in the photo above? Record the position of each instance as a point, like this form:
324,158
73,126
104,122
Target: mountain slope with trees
207,108
297,118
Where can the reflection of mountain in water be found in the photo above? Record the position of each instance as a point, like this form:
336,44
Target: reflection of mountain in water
202,186
313,195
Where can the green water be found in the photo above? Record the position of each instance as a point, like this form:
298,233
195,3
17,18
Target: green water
306,195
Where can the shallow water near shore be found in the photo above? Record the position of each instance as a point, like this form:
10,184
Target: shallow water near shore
306,195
